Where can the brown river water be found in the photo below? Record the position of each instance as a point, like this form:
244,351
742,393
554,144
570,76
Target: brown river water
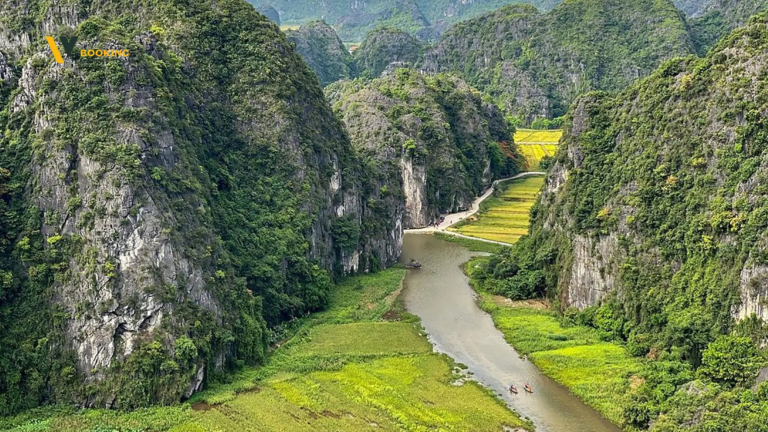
439,293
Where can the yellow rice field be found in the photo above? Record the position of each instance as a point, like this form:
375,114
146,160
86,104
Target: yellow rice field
535,144
505,217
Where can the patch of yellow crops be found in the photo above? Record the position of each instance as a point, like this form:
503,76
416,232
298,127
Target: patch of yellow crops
538,136
535,144
508,216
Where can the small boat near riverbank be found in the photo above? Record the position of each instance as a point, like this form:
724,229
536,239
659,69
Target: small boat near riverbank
414,264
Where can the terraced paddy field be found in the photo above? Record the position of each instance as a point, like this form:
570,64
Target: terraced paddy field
362,365
535,144
505,216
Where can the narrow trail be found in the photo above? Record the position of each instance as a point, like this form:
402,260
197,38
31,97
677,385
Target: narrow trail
453,218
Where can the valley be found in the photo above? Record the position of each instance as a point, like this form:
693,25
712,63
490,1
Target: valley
378,215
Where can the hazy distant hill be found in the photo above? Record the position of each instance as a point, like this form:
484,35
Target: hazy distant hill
354,19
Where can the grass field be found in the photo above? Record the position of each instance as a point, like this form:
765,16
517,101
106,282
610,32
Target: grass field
504,217
535,144
362,365
598,372
472,245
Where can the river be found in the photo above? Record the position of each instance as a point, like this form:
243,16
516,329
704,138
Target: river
439,293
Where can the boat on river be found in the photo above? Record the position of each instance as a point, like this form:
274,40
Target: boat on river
528,388
413,264
513,389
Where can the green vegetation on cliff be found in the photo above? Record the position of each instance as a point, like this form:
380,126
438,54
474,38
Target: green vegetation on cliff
384,47
319,46
652,226
432,140
720,18
159,211
536,64
354,20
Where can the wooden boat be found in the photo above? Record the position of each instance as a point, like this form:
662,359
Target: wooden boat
414,264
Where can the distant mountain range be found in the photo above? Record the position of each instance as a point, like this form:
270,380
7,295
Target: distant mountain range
353,19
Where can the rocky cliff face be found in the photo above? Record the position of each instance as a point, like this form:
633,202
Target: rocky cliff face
536,64
656,202
319,45
433,142
161,209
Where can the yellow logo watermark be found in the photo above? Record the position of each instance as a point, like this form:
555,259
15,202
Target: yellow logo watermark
69,49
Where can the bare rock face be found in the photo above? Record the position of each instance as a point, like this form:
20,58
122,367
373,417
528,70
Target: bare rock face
753,293
593,273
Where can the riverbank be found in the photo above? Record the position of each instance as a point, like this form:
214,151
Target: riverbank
440,294
363,364
602,374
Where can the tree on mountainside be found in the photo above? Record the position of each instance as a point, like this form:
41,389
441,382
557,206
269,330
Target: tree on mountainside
731,360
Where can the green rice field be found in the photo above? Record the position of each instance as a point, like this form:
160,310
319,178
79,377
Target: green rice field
599,373
362,365
504,217
536,144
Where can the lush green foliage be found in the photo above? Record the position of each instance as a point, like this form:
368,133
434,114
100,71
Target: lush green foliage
342,369
319,46
218,124
681,198
536,64
720,18
384,46
730,360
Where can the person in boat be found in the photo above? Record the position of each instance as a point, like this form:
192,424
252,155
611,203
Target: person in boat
528,388
512,388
